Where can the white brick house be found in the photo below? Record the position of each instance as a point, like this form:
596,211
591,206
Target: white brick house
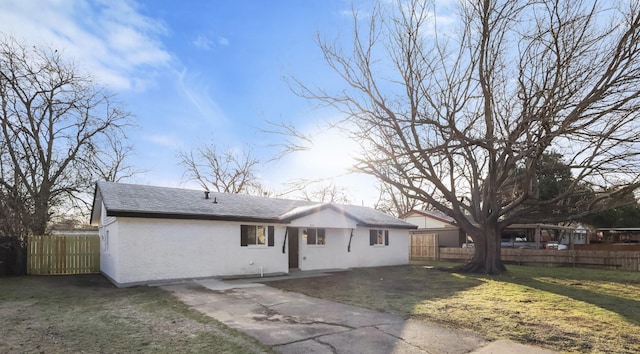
150,234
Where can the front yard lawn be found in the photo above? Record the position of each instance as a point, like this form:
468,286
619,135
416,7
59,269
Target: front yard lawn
564,309
85,313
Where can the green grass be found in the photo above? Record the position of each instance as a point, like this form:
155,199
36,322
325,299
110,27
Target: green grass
54,314
564,309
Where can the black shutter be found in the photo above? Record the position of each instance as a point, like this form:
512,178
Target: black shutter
386,237
244,235
270,237
320,239
311,236
372,237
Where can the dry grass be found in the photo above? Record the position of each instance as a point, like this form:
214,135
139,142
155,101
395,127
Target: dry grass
565,309
69,314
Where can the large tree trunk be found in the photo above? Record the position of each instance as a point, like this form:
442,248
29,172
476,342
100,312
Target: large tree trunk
40,216
487,256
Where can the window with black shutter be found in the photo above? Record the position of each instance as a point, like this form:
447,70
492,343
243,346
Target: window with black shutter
257,235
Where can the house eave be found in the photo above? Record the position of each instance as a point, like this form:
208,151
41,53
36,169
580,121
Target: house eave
316,209
388,226
428,215
179,216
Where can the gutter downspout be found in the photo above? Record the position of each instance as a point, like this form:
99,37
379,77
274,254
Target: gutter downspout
350,237
284,244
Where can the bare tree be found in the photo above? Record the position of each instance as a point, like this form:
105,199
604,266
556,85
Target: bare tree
392,201
53,120
229,171
110,163
447,117
326,193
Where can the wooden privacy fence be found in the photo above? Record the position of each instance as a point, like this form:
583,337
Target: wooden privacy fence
63,255
623,260
424,246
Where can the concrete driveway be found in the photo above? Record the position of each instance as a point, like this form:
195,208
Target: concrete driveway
296,323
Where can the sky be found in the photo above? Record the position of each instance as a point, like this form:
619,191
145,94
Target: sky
199,72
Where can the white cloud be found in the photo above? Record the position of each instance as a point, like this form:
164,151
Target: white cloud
108,39
203,42
206,43
166,140
197,94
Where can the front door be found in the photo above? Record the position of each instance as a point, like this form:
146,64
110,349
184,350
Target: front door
292,233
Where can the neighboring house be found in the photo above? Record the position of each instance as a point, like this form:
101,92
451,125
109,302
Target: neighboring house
150,234
428,219
65,230
435,222
516,236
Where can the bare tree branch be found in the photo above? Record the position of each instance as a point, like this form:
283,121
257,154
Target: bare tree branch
294,139
229,171
327,192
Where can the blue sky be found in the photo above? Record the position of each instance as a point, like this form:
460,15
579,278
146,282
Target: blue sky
196,72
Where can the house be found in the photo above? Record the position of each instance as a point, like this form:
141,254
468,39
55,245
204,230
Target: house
435,222
428,219
150,234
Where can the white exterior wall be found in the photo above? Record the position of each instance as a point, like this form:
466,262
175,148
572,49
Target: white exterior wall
326,218
108,231
333,254
365,255
157,249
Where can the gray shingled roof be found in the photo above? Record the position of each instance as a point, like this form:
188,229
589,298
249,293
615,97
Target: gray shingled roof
160,202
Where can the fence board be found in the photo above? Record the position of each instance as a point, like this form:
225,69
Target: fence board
623,260
63,255
424,246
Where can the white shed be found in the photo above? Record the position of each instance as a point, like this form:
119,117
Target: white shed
151,234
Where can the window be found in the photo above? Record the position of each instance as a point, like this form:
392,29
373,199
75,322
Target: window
106,240
378,237
314,236
256,235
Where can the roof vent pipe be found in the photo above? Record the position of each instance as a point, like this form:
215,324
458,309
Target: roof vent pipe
215,200
206,194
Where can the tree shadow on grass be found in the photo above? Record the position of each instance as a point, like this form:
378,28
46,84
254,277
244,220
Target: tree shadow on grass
575,286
